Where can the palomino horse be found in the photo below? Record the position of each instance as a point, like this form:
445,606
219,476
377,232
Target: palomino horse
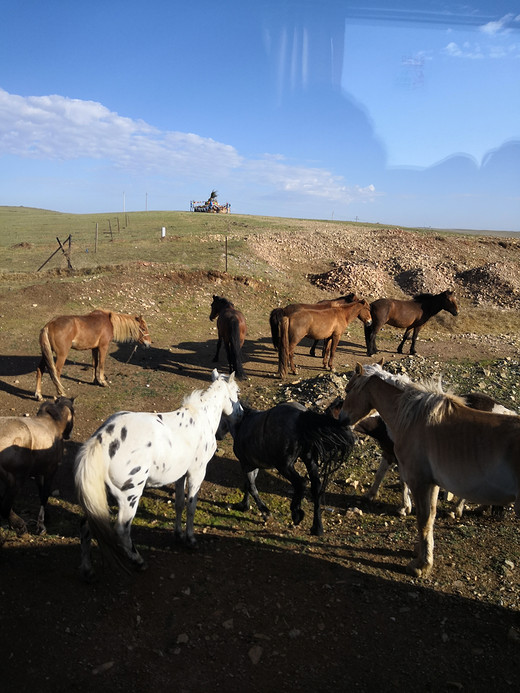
276,438
317,323
92,331
32,447
411,315
374,427
231,328
276,315
439,441
134,449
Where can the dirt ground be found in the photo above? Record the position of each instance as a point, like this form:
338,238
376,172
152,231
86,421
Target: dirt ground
258,606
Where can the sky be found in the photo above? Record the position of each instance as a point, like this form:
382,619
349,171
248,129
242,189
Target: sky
402,113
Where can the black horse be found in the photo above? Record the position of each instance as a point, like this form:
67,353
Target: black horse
232,329
276,438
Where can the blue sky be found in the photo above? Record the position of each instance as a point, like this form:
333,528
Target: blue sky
406,114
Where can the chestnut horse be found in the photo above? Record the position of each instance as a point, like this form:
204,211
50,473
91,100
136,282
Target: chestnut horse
277,314
32,446
92,331
232,329
411,315
440,442
317,323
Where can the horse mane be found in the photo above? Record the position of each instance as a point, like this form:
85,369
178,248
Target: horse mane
425,398
126,327
423,297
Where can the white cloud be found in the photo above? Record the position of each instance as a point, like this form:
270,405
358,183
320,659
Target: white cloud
499,25
57,128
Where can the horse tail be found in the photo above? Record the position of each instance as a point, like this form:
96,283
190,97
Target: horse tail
326,439
89,477
275,319
45,346
235,349
283,346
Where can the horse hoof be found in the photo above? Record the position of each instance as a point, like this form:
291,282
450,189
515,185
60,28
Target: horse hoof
297,516
317,531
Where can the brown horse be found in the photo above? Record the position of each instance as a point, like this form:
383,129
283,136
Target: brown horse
317,323
440,442
92,331
32,447
275,318
232,329
411,315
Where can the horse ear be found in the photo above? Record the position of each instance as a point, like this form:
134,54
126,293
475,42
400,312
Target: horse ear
381,362
214,375
359,369
231,378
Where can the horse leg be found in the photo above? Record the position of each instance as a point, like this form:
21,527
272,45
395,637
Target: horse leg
232,365
122,527
414,338
86,570
370,337
219,344
298,485
60,362
179,508
43,483
251,489
194,484
405,337
317,493
6,510
312,351
39,373
331,346
425,497
292,365
406,496
383,468
102,353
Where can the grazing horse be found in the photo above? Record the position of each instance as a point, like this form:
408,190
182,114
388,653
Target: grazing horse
439,441
132,450
32,447
231,328
374,427
92,331
317,323
276,438
277,314
411,315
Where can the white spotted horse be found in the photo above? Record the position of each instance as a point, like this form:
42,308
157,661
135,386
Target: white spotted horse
132,450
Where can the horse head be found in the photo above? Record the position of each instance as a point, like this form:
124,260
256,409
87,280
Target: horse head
356,404
232,409
364,312
144,335
449,302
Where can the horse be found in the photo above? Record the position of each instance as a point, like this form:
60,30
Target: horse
440,442
318,323
232,329
374,427
276,438
410,314
132,450
92,331
277,314
32,446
